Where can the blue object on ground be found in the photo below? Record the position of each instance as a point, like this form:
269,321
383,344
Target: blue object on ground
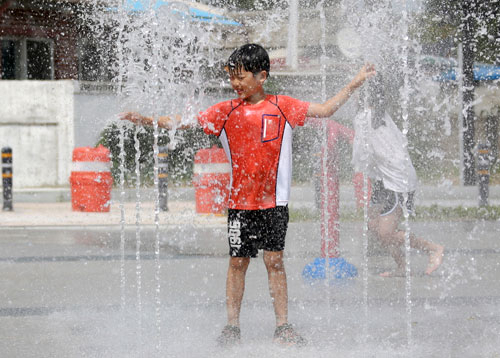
338,269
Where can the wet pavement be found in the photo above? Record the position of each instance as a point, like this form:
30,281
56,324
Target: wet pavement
68,289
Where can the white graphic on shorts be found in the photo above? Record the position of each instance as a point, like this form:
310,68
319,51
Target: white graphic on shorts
234,236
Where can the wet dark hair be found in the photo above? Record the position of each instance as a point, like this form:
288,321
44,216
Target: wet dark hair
376,100
250,57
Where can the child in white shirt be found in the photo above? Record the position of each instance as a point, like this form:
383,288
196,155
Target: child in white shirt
380,151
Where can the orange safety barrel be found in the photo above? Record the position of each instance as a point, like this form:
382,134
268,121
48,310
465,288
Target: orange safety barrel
212,176
91,179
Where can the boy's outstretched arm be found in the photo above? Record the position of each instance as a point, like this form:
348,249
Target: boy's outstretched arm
322,110
163,121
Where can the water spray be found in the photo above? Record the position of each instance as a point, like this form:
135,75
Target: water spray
329,267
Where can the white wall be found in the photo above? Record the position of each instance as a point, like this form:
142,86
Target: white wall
36,121
96,106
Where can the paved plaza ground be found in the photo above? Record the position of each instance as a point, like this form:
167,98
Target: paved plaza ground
68,290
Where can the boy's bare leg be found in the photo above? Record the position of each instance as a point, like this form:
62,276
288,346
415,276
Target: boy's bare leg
235,287
277,284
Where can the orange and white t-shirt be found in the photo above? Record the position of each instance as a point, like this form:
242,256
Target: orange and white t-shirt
257,139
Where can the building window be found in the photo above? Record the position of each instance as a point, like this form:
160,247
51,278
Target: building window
39,60
96,60
23,59
10,66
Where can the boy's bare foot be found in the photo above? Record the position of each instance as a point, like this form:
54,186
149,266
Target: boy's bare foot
435,259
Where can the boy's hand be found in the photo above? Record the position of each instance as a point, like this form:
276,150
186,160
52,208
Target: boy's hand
367,71
133,117
163,121
327,109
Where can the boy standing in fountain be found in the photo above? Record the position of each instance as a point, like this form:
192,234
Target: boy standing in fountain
255,130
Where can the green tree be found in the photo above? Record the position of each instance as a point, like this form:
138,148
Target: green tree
180,159
444,20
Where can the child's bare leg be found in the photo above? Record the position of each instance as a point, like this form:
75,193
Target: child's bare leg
373,218
435,252
235,287
387,233
392,237
277,284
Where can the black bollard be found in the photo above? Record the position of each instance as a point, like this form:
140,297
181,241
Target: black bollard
483,172
7,178
163,177
491,129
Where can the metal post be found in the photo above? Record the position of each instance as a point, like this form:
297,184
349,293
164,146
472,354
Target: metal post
330,265
330,203
7,178
492,122
163,177
483,172
292,56
330,213
468,30
460,79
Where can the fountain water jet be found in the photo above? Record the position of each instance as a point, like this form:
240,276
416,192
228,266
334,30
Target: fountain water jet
146,89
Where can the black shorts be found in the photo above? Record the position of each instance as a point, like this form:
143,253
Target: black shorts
251,230
389,200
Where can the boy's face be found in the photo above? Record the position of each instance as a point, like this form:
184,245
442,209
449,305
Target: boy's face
245,83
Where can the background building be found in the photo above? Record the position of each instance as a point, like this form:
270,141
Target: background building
59,63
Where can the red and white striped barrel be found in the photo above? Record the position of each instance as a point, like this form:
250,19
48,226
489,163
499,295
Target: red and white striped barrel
212,176
91,179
